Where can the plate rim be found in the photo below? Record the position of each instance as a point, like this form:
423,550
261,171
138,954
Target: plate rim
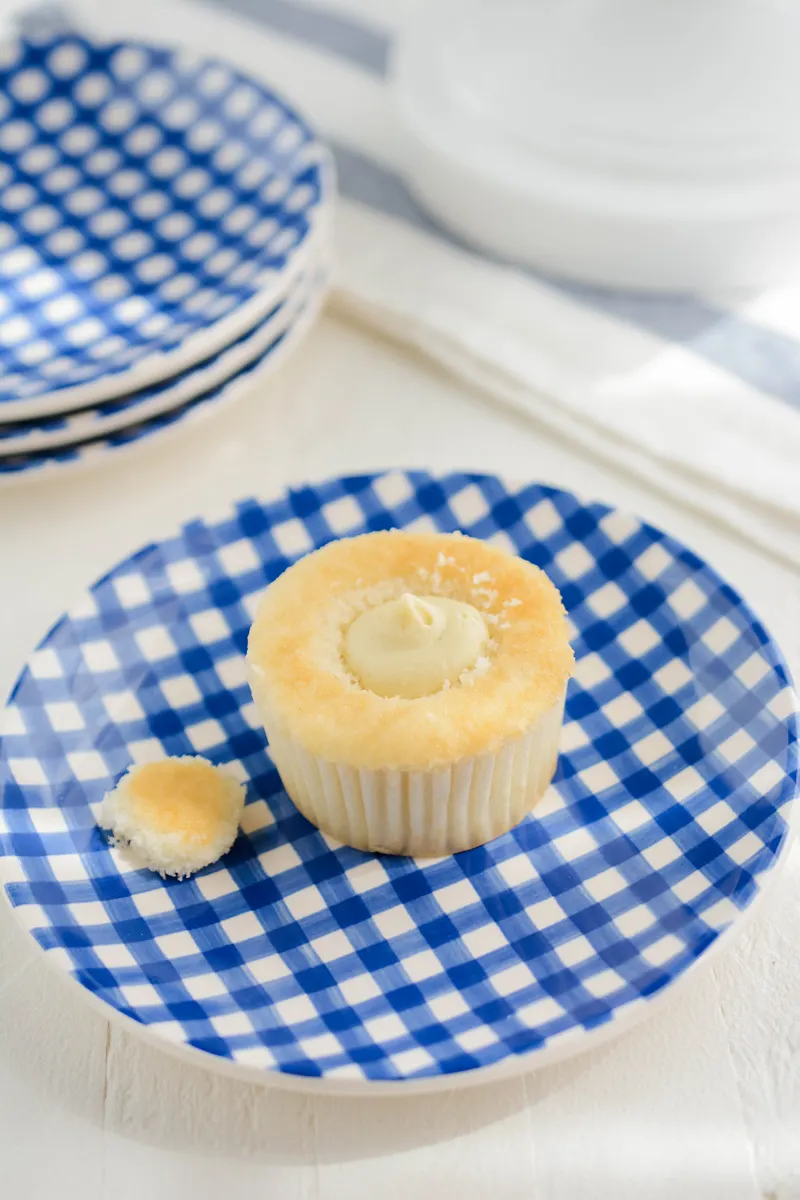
92,451
216,373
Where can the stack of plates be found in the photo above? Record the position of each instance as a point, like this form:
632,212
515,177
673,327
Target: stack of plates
164,233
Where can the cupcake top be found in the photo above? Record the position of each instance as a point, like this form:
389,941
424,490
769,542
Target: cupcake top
408,650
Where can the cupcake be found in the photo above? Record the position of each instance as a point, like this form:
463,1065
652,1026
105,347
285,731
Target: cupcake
412,689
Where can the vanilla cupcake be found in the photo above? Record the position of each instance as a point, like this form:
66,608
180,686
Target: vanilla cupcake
412,689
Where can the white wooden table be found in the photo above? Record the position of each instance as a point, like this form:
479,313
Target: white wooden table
702,1101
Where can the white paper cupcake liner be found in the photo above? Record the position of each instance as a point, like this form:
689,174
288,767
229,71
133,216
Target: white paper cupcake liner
421,813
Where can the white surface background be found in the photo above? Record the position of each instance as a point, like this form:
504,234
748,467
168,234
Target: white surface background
701,1101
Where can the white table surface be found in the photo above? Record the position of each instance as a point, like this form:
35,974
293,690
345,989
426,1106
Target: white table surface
703,1100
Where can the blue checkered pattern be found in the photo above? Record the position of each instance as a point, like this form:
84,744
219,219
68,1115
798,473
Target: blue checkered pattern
282,334
297,955
145,198
31,437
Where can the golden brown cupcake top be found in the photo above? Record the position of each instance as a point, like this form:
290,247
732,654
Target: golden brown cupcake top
491,691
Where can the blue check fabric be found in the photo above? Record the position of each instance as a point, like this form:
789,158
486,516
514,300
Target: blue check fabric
145,195
297,955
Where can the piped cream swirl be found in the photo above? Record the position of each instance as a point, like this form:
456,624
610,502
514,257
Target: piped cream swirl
415,645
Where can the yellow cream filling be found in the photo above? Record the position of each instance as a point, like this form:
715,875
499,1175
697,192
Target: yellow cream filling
414,645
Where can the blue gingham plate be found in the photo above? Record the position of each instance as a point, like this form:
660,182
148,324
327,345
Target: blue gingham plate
286,332
153,206
300,961
32,437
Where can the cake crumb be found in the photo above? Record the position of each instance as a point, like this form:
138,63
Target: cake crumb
482,577
176,814
482,664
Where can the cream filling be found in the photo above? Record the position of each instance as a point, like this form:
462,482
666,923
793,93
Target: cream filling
414,645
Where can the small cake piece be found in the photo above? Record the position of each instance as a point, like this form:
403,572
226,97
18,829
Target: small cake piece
177,814
412,688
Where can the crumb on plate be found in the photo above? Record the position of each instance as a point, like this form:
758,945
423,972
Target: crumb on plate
177,814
